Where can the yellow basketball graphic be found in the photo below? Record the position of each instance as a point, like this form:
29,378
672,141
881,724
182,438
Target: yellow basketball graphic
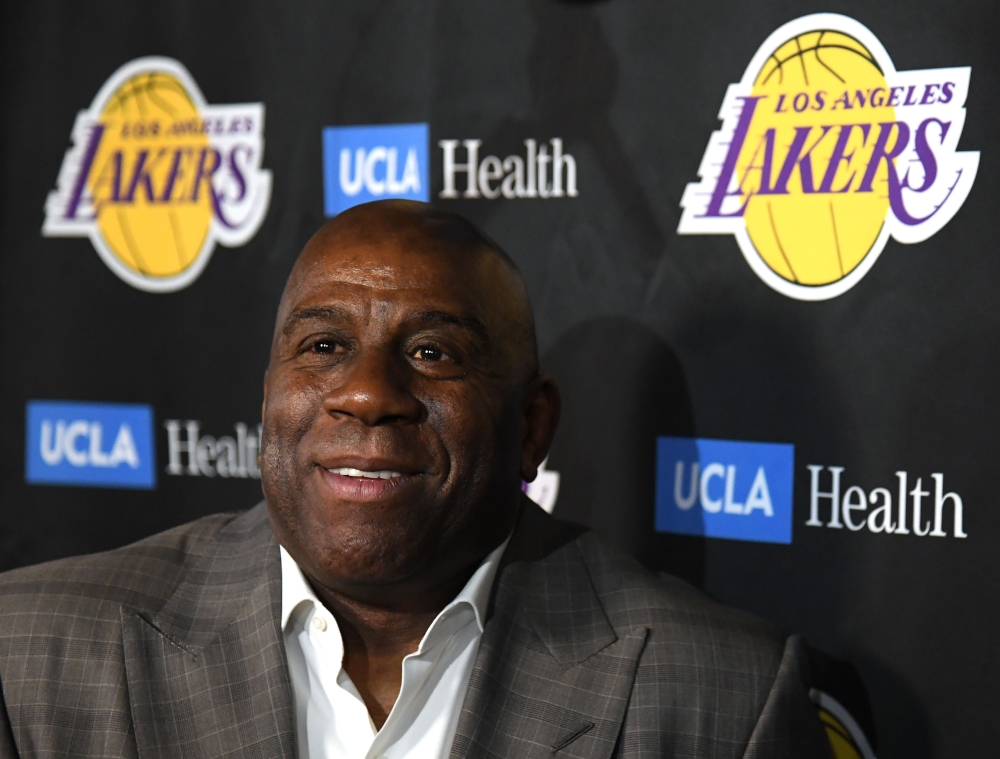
149,214
805,235
826,152
847,739
841,743
157,176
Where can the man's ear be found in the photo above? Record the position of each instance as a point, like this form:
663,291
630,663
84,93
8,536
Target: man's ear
541,417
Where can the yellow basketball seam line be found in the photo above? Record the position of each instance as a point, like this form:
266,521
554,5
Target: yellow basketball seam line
777,67
780,63
136,93
836,240
819,44
805,74
858,53
178,240
130,242
778,240
174,86
156,99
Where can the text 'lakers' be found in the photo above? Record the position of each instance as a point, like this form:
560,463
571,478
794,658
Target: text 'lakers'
825,152
156,176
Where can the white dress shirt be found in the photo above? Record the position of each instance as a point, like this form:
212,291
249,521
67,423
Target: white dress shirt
331,719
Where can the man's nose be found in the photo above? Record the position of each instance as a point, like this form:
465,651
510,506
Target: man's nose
375,390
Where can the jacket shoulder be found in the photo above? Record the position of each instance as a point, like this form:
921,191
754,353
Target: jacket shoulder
707,671
674,611
143,574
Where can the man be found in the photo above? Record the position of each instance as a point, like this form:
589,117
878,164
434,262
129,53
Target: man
397,595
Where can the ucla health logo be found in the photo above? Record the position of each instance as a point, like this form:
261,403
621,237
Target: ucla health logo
825,152
363,163
725,489
98,444
156,176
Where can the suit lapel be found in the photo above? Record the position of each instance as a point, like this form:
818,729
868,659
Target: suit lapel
552,677
207,675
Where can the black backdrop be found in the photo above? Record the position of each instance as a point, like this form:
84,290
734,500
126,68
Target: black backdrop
648,332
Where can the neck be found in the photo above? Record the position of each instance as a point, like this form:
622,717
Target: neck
377,637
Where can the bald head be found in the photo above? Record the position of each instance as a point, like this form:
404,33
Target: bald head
363,237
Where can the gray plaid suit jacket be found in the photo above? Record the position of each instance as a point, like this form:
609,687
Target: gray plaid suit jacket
172,647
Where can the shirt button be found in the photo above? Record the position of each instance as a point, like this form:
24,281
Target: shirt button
319,623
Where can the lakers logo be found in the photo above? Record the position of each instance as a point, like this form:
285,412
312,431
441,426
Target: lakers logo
847,739
156,177
826,151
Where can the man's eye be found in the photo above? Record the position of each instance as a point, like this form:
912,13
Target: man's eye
324,346
429,353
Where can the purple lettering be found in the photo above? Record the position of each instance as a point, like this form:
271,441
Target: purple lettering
909,94
217,198
109,175
141,173
96,132
875,94
237,172
175,172
217,208
946,92
781,102
929,163
800,157
804,101
930,92
927,160
721,190
879,153
893,92
205,174
925,154
859,98
820,101
844,100
768,162
839,155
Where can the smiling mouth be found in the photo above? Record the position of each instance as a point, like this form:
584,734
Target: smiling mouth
359,485
381,474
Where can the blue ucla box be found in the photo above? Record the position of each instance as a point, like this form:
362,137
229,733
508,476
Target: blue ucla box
95,444
364,163
725,489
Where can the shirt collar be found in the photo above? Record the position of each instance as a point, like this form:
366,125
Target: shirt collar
295,589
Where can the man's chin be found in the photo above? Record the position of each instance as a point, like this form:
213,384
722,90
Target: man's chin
367,566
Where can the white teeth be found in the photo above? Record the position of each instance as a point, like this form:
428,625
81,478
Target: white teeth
382,474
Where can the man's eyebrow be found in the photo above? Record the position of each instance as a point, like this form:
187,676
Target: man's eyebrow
447,319
316,313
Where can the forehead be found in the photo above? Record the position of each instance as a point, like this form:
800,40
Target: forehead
390,274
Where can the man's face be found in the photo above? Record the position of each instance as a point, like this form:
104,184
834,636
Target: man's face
393,415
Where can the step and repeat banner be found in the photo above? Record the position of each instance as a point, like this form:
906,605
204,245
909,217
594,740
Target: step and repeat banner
760,239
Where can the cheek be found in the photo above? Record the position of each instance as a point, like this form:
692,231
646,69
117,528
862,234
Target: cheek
292,410
475,431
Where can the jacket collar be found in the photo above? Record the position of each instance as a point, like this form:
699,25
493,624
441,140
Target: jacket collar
540,572
208,670
552,673
207,673
238,575
543,575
